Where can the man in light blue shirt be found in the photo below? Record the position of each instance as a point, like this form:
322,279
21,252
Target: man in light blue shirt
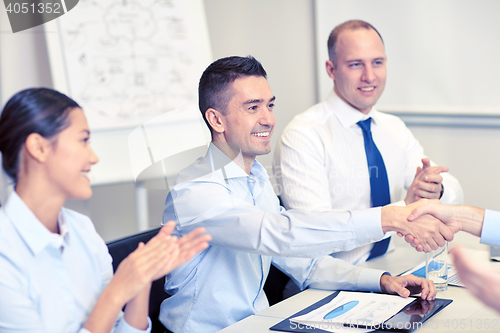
228,192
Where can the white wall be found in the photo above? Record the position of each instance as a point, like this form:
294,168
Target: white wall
23,59
473,156
432,46
279,33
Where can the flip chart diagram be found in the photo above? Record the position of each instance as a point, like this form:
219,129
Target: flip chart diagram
128,61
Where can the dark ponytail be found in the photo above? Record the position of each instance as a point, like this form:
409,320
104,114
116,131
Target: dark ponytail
36,110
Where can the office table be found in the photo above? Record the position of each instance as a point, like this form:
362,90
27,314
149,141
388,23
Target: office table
466,314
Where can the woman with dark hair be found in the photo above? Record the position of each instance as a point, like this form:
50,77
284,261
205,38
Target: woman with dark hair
56,273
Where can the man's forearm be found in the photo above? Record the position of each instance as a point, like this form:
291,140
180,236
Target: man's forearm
391,219
470,218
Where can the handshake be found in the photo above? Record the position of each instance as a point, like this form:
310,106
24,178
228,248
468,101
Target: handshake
429,224
426,224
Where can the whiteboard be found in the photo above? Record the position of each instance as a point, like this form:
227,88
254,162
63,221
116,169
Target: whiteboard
126,63
442,55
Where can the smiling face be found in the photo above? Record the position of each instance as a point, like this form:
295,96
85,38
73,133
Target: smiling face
71,157
360,73
248,121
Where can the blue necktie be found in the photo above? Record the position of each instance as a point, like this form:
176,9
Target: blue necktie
379,183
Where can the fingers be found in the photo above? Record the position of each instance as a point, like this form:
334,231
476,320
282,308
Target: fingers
160,255
191,236
420,211
406,285
428,187
418,171
435,179
194,242
193,247
446,232
187,247
424,194
167,228
462,263
479,280
426,162
426,183
467,270
429,290
414,243
438,235
430,245
429,231
432,186
410,239
402,291
416,285
198,245
137,270
426,248
428,169
149,258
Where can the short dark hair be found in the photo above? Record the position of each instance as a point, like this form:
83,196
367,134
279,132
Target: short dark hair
214,91
35,110
348,25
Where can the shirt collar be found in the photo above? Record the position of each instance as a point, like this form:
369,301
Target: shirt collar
346,114
219,159
63,226
32,231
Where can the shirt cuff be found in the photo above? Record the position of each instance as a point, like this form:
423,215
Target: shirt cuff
490,233
369,279
367,225
124,327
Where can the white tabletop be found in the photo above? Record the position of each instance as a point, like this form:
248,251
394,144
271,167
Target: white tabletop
466,314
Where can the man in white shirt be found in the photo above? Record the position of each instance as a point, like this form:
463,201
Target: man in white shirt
322,158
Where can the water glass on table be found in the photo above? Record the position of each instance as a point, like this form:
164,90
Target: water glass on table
436,267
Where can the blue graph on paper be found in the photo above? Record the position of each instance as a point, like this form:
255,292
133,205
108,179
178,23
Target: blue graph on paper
340,310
